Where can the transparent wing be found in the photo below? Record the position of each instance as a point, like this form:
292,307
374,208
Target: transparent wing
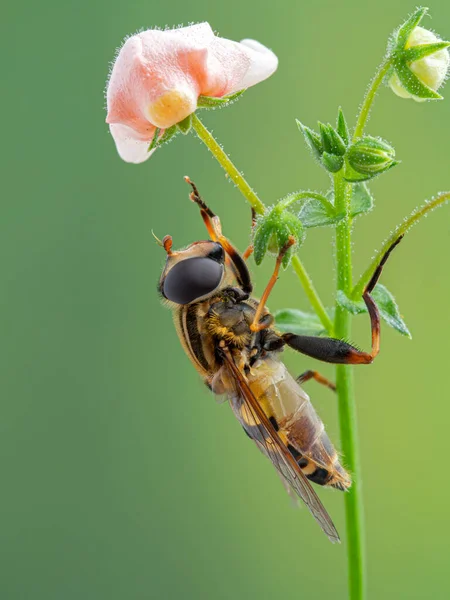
269,442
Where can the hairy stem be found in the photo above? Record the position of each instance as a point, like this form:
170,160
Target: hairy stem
346,399
251,196
225,162
370,97
312,295
401,229
296,197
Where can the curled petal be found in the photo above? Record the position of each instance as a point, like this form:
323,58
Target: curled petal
130,145
263,63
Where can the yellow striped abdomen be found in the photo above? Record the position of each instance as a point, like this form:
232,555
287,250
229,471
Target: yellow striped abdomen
289,408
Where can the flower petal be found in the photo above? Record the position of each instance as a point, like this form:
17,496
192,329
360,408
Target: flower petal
130,145
263,63
241,65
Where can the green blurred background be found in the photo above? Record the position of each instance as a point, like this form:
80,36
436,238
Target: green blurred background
121,477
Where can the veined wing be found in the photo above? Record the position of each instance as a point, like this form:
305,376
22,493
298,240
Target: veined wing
270,443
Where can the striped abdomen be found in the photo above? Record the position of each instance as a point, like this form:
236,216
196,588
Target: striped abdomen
298,425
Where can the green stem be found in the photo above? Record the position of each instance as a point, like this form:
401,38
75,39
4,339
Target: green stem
370,97
225,162
311,293
346,399
292,198
251,196
398,231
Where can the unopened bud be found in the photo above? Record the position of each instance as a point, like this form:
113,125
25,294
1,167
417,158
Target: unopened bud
273,231
421,61
371,156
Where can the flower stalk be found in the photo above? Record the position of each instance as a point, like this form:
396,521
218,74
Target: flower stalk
227,165
370,97
354,505
354,509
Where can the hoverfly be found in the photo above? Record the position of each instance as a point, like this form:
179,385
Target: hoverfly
228,336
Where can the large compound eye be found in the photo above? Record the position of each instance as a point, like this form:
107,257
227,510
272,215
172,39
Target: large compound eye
192,278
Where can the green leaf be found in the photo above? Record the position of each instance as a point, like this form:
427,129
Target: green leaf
387,307
316,214
341,127
211,102
296,321
406,29
412,83
423,50
185,125
168,134
263,233
312,139
155,141
361,201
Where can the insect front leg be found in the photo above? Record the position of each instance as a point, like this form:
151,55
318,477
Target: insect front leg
259,324
338,351
214,227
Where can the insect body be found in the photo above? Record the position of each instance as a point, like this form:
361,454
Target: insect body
227,334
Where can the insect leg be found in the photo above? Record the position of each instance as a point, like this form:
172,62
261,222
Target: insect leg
329,350
337,351
212,223
307,375
259,324
371,306
249,251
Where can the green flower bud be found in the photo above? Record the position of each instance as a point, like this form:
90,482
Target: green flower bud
273,230
421,61
328,147
369,157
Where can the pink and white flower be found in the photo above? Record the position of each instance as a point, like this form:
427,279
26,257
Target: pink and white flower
158,76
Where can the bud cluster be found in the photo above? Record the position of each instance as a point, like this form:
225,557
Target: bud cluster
330,145
363,159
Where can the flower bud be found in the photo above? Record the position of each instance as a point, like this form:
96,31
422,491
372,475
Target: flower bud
329,145
421,61
273,231
369,157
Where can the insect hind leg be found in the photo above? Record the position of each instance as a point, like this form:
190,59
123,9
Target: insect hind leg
337,351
